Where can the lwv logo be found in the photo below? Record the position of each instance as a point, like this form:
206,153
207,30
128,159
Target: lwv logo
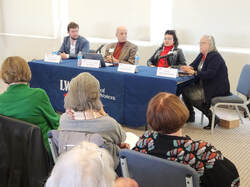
64,85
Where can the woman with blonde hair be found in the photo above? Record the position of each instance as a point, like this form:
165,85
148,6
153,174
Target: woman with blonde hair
22,102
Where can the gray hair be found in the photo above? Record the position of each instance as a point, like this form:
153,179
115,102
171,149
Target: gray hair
83,94
85,165
212,46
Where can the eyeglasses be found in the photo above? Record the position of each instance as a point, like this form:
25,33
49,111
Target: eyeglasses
168,39
202,43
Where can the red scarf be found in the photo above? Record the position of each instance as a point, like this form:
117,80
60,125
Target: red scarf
163,61
203,58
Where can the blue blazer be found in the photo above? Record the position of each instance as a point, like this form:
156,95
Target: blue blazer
213,75
81,45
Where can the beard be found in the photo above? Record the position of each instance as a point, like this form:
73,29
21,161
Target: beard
74,38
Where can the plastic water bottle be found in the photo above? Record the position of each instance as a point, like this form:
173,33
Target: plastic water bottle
79,58
137,58
54,52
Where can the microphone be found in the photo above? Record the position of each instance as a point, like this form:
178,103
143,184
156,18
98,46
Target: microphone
99,49
169,54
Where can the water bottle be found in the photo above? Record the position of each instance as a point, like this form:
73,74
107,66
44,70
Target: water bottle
54,52
79,58
137,58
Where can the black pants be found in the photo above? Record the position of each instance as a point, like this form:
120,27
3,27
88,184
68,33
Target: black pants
203,107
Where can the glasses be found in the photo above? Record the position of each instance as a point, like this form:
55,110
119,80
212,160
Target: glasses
168,39
202,43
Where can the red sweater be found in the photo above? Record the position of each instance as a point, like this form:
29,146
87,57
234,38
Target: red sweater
118,49
163,61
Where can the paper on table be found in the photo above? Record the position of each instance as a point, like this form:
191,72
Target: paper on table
131,139
109,64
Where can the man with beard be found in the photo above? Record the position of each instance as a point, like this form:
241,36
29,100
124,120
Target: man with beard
74,43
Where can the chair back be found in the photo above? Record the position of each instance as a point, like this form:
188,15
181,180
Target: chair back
151,171
24,158
61,141
244,81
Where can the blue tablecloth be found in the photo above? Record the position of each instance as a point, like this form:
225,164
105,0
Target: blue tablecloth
125,96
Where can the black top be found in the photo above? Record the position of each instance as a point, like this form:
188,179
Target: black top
213,74
212,167
175,59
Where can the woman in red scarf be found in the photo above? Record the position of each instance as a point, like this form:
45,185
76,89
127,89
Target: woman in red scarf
168,55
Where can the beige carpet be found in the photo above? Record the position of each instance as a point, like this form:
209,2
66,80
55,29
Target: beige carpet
233,143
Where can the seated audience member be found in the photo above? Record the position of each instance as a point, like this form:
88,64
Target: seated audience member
85,114
168,55
86,165
74,43
22,102
211,80
121,52
166,115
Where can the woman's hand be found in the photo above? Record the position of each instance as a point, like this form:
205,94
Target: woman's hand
102,112
124,146
70,113
186,68
125,182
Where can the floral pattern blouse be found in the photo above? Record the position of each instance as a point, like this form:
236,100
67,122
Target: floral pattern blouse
213,168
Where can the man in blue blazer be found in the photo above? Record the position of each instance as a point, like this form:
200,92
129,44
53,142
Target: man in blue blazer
74,43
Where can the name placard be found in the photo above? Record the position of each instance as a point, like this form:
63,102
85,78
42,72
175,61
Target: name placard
52,58
128,68
167,72
90,63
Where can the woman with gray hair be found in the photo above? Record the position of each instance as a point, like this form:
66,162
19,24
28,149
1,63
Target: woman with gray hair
84,113
86,165
211,80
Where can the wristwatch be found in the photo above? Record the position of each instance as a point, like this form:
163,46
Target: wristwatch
195,73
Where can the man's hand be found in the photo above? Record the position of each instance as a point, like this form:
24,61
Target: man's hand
111,59
64,56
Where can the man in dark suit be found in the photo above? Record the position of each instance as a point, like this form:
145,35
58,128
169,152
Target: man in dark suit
74,43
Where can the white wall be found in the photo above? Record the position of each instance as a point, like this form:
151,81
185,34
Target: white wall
100,18
228,23
227,20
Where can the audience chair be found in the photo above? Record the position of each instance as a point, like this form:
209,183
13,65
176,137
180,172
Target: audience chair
151,171
243,88
24,158
61,141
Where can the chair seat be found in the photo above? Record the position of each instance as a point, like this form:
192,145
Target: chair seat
227,99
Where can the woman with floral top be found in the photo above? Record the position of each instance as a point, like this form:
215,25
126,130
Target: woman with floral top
166,115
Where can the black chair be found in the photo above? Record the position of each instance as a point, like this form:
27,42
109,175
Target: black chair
24,158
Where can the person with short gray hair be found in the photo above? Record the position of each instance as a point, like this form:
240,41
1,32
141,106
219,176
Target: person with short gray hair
211,80
84,113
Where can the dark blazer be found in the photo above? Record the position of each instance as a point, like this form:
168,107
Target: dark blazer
81,45
175,60
213,74
24,159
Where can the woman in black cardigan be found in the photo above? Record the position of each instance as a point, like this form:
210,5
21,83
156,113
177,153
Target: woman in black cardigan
168,55
211,80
